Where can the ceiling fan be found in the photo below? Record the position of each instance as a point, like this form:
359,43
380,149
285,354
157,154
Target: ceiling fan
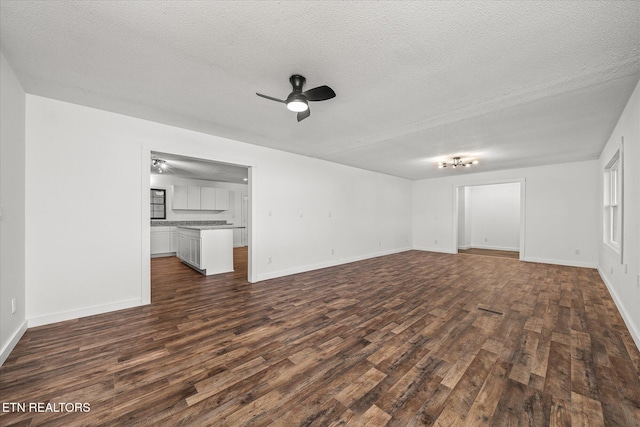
298,100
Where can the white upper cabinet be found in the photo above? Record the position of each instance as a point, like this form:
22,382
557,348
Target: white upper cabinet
200,198
193,201
180,197
208,198
222,199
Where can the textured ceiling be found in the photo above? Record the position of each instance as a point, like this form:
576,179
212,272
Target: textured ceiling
512,84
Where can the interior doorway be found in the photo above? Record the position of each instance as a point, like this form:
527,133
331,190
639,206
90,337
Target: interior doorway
174,169
490,219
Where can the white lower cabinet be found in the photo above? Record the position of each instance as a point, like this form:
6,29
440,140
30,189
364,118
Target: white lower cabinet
189,248
210,251
161,240
194,252
174,239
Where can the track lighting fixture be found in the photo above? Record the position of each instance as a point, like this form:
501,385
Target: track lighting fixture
457,162
160,165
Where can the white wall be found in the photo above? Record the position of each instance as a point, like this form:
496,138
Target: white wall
467,217
622,276
493,215
463,220
12,204
91,253
560,211
232,215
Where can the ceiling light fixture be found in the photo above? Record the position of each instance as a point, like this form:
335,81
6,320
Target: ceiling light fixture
457,162
297,103
160,165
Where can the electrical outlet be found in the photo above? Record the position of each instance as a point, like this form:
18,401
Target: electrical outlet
13,306
379,243
436,242
577,251
269,260
333,251
486,240
611,270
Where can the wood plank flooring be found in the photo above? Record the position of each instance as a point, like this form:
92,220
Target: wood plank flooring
397,341
490,252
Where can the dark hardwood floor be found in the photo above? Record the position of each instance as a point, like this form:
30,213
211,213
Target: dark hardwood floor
399,340
490,252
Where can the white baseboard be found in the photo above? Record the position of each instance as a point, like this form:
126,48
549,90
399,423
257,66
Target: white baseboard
305,268
633,329
560,262
83,312
435,249
11,344
527,259
162,255
493,248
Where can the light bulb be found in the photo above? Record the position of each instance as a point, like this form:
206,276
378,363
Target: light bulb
297,106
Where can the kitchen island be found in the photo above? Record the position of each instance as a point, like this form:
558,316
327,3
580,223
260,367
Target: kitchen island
207,249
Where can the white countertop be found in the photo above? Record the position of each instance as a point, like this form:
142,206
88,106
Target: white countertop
210,227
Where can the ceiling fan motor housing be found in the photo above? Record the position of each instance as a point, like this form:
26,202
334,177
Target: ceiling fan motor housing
297,81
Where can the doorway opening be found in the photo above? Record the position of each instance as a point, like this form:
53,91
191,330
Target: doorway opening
224,201
490,219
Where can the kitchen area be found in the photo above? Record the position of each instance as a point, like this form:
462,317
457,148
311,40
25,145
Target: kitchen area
198,211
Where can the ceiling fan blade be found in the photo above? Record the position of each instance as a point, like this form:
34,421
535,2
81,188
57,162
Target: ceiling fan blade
319,93
304,114
271,98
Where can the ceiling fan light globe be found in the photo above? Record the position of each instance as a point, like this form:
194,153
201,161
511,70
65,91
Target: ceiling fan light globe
297,105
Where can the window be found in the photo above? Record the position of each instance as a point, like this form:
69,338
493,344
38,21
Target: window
613,202
158,203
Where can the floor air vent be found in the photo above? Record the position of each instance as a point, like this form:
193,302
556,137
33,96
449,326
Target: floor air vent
488,310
